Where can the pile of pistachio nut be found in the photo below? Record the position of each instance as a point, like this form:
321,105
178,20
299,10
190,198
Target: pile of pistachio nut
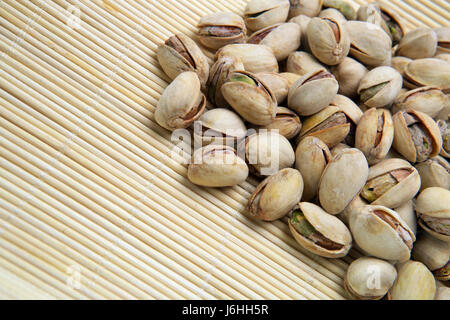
364,104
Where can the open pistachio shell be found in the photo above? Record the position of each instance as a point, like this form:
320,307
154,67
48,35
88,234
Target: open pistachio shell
418,44
394,24
416,135
259,14
369,278
276,195
301,63
250,97
179,54
435,254
374,134
310,8
414,282
382,233
344,7
286,122
443,40
319,232
217,166
429,100
349,74
444,128
342,180
353,113
427,72
433,212
408,214
276,83
434,172
334,14
181,102
311,158
221,28
282,38
312,92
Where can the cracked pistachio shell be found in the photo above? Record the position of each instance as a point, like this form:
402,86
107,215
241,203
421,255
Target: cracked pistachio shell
179,54
256,58
429,100
218,75
408,214
369,43
303,21
250,97
402,191
282,38
375,134
267,152
433,253
328,40
344,7
259,14
301,63
290,77
310,8
276,83
217,166
443,40
444,128
312,92
328,226
434,172
400,63
433,212
404,141
286,122
311,158
369,278
380,87
427,72
333,14
378,237
414,282
221,28
181,102
276,195
342,179
219,126
394,24
349,73
418,44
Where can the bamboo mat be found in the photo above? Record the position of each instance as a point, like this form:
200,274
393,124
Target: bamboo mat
93,203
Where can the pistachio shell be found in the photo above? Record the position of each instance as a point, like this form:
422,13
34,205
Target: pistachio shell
303,21
427,72
369,278
353,208
333,14
342,180
432,252
418,44
434,172
442,292
429,100
310,8
326,225
414,282
407,213
259,14
400,63
443,39
443,56
286,122
302,63
276,195
389,82
349,73
217,166
338,148
344,7
276,83
444,128
394,23
290,77
256,58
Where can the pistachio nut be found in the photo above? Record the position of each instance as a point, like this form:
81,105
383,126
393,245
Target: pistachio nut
349,73
282,38
259,14
374,134
333,14
418,44
442,291
181,103
301,63
310,8
319,232
267,152
359,278
290,77
444,128
328,40
371,13
217,166
391,183
256,58
380,86
393,22
443,56
278,84
369,43
433,212
342,6
221,28
180,53
434,172
444,114
435,254
312,92
311,157
276,195
427,72
250,97
408,214
286,122
400,63
416,135
303,21
429,100
382,233
443,40
342,179
219,73
414,282
219,126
